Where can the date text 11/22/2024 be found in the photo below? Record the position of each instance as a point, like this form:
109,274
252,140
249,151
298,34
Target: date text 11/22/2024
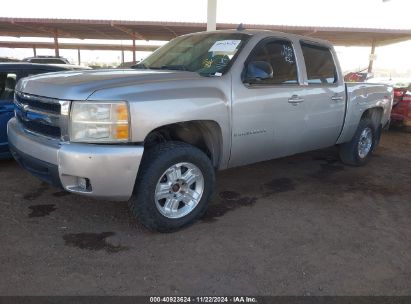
204,299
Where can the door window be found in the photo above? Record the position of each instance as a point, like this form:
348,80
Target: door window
7,84
280,55
319,64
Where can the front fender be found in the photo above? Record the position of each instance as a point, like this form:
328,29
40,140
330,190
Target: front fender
155,105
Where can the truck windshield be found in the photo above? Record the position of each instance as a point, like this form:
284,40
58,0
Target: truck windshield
208,54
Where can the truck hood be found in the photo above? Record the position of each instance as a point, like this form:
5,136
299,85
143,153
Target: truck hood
79,85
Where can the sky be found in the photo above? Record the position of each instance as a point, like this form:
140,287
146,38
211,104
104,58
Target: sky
344,13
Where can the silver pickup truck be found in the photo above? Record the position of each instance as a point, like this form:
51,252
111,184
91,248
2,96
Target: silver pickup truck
155,135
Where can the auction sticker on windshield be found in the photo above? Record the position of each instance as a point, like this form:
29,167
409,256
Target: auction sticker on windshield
225,46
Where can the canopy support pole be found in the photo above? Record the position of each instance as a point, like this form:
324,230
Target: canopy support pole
56,44
134,48
78,56
371,57
211,15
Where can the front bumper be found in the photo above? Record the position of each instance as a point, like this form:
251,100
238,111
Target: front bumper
110,169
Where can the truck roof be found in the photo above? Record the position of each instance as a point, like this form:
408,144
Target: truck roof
268,33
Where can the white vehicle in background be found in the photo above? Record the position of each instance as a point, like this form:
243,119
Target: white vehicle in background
47,60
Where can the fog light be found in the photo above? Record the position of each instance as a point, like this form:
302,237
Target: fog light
84,183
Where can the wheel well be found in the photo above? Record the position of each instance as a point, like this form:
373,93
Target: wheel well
375,114
203,134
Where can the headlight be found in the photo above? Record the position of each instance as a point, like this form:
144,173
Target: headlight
99,122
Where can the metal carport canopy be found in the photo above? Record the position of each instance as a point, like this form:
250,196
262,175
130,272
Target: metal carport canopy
153,30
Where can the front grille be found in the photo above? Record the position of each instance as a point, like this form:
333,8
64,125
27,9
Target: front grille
40,128
40,115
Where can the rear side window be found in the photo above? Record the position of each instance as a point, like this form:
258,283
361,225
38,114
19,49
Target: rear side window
319,64
280,55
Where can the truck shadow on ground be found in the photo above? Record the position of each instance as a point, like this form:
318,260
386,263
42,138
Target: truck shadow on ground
321,169
229,200
225,201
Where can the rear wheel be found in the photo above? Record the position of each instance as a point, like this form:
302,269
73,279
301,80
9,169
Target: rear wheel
173,186
358,151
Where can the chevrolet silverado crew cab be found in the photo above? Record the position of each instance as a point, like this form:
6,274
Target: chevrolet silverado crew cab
156,134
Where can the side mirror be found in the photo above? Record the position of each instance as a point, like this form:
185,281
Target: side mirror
258,70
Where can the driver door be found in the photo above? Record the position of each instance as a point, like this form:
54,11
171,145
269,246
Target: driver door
268,115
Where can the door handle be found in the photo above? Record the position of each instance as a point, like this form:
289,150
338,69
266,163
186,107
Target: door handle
295,99
337,98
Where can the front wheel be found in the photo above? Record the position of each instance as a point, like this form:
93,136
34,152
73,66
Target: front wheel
173,187
358,151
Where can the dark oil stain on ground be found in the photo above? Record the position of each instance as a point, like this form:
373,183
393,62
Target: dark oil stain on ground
230,200
330,165
92,241
61,193
369,188
329,159
328,170
278,185
33,195
229,195
41,210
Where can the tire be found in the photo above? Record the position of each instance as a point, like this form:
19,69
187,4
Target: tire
351,152
152,184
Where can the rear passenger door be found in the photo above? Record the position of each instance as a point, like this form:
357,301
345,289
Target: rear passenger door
324,97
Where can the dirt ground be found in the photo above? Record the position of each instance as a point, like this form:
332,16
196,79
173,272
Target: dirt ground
302,225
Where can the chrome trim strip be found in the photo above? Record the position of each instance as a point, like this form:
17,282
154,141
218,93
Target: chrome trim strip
38,98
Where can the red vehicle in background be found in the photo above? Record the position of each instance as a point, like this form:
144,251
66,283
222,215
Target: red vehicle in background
357,77
401,109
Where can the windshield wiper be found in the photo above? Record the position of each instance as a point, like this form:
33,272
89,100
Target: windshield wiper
211,74
207,74
177,67
139,66
164,67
